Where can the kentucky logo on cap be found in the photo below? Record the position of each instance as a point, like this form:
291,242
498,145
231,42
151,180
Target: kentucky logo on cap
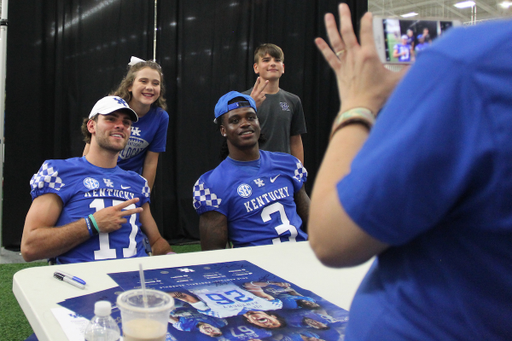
109,104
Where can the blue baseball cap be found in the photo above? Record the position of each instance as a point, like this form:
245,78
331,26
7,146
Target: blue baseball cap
223,107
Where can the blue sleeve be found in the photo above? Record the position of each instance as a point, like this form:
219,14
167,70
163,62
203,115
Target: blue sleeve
421,155
47,180
160,140
205,199
299,173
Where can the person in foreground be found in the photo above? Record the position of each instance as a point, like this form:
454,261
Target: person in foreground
253,197
427,191
87,208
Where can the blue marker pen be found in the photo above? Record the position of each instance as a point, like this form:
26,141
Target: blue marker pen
73,280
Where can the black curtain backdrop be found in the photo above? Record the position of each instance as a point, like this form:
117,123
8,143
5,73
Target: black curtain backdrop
62,56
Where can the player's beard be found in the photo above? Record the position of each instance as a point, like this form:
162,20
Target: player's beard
103,141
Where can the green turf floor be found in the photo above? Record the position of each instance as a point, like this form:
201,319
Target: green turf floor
13,323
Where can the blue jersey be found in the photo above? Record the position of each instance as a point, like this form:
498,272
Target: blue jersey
421,47
188,320
85,189
257,197
401,49
226,300
149,133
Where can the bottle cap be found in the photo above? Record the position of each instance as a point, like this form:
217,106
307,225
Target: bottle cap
102,308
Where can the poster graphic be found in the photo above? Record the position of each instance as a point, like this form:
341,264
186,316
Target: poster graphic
235,301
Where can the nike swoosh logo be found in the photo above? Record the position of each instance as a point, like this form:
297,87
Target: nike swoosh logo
274,178
124,187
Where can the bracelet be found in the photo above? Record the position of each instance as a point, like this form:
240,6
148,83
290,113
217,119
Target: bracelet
93,221
356,115
88,222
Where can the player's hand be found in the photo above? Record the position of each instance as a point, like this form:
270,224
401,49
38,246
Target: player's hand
110,219
257,91
362,79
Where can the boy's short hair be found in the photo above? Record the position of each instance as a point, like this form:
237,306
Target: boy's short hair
272,49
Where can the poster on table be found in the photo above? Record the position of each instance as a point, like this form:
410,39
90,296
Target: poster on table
235,301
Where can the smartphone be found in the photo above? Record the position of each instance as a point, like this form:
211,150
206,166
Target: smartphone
399,41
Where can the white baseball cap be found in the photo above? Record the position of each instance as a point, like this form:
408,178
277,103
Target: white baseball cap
109,104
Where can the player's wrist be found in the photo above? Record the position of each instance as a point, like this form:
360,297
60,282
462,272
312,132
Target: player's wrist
90,227
96,229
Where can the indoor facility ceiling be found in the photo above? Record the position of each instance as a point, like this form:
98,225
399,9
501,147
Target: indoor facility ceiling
483,10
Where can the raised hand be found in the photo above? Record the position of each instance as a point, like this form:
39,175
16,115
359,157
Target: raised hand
362,79
111,218
257,91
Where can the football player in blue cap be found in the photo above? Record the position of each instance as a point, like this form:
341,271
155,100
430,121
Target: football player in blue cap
254,197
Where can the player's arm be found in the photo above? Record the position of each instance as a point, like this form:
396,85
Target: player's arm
41,239
302,202
86,149
296,147
159,245
213,230
150,166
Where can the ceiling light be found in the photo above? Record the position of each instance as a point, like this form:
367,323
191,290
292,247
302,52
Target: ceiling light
464,4
407,15
506,4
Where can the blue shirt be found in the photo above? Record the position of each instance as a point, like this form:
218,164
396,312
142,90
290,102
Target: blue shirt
440,195
149,133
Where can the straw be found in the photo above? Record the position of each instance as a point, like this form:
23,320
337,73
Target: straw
143,285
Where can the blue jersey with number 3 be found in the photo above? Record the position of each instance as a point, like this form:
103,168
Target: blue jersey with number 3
257,197
85,189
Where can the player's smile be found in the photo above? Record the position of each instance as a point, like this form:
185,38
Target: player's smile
113,130
241,127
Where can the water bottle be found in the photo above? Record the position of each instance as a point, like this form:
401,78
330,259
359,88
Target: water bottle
102,326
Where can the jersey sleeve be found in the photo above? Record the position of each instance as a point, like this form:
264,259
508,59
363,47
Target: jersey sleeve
205,199
47,180
160,141
145,191
300,174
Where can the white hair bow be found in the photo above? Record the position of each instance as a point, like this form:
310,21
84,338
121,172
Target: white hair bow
135,60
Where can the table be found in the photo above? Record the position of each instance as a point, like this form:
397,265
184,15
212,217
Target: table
38,292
